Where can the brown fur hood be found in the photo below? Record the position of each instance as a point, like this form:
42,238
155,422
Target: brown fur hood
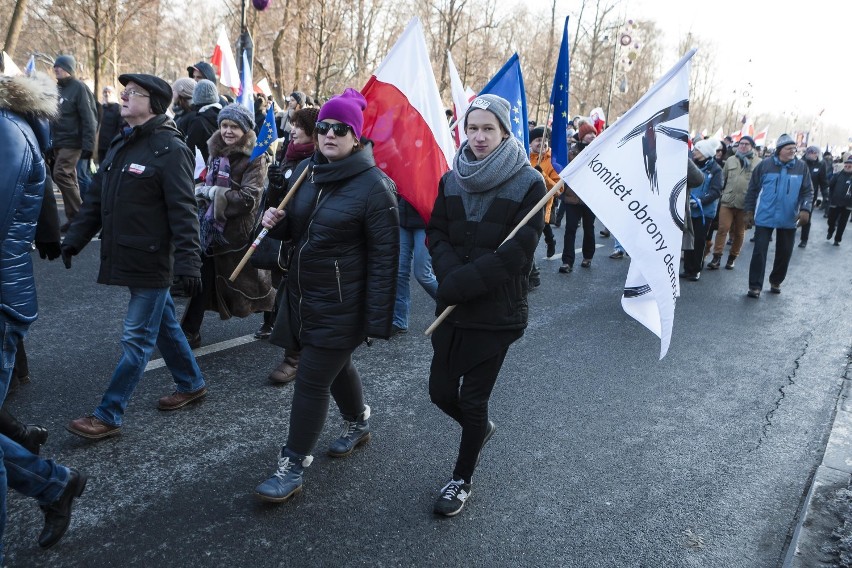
244,145
35,95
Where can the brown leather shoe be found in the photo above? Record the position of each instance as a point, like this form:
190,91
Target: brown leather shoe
92,428
180,399
285,372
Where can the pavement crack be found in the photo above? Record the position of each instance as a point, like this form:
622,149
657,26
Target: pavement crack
782,394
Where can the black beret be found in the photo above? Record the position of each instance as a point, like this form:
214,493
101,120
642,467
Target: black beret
160,91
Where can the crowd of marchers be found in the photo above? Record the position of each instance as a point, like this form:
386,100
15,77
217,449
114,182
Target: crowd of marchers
167,179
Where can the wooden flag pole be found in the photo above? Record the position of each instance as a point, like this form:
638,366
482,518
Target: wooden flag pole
265,231
538,206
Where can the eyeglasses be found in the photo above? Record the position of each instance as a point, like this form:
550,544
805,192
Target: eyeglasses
132,93
744,144
338,128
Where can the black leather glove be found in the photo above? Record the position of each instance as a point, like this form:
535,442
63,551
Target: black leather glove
50,251
538,169
274,175
86,155
191,285
67,251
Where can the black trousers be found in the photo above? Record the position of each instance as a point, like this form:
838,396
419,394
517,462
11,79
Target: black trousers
693,260
573,214
194,313
463,397
322,373
784,242
837,219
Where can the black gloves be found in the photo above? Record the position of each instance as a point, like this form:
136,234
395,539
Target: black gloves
191,285
50,251
538,169
86,155
67,251
274,175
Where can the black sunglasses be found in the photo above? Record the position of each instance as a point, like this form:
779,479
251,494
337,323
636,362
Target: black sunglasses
338,128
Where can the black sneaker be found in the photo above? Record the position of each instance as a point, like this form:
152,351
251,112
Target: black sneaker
617,255
565,268
551,249
452,498
803,244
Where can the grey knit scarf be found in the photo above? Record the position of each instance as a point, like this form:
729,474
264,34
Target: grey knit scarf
476,177
745,158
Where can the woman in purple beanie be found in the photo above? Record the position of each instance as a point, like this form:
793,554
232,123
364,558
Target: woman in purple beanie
340,287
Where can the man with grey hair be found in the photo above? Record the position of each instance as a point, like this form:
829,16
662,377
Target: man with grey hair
779,199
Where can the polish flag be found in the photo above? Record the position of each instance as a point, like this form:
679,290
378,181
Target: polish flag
719,134
225,64
760,139
461,100
598,119
262,87
748,128
405,120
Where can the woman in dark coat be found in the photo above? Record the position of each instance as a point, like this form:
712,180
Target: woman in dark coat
228,205
340,287
487,193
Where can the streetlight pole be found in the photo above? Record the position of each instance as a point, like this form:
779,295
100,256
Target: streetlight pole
244,43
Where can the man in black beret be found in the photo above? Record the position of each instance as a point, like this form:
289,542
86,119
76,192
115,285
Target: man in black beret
142,200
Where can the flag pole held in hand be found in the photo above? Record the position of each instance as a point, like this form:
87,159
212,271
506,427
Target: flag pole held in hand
265,231
538,206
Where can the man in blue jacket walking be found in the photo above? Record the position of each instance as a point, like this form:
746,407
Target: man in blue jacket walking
780,197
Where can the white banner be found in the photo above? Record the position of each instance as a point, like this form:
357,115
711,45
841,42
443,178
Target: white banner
633,177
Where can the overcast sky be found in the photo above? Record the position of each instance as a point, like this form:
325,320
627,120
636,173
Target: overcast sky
794,54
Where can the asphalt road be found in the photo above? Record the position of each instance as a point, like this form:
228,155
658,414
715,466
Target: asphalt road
603,456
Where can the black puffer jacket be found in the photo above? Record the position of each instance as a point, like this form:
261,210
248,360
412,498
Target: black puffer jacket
342,280
201,127
841,190
143,197
487,282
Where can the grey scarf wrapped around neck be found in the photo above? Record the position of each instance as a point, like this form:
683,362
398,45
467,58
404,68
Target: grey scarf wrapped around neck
745,158
476,177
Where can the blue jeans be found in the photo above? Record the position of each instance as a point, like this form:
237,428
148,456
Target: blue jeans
150,322
19,469
412,244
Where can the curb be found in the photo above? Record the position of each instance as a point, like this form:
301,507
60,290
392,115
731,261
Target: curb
816,521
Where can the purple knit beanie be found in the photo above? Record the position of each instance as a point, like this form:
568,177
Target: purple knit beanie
348,108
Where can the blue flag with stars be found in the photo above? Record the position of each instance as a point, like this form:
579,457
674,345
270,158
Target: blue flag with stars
268,133
509,84
559,100
246,96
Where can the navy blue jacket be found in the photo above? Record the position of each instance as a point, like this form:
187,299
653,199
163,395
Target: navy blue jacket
24,134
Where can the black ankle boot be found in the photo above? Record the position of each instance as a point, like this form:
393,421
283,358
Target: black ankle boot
30,437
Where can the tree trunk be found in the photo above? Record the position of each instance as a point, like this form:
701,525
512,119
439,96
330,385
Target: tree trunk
15,25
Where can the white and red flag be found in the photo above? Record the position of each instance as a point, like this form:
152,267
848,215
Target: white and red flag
462,97
633,177
760,139
405,120
225,64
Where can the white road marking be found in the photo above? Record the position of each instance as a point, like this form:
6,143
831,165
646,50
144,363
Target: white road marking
207,350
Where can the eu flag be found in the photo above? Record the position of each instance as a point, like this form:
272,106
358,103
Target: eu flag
509,84
268,133
559,100
246,96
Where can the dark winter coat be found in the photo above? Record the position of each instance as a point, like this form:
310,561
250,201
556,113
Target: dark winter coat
409,218
487,281
252,290
25,106
201,127
840,190
819,178
142,197
77,123
341,286
109,127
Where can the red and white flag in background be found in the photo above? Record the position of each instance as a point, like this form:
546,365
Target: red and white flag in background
760,139
462,97
225,64
598,119
405,120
